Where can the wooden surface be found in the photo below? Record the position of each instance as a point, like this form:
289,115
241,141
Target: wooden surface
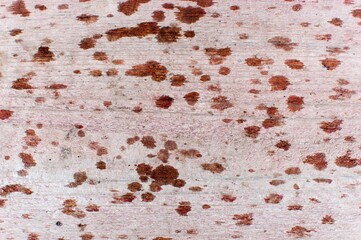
198,119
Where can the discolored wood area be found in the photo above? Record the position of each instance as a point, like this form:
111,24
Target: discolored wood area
180,119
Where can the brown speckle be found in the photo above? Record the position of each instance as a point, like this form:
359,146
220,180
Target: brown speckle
347,161
342,93
252,131
19,8
164,174
96,73
282,43
189,14
92,208
147,197
164,102
228,198
190,153
168,34
323,180
336,21
279,83
87,43
277,182
294,64
189,34
299,232
28,160
100,56
213,167
79,179
256,62
191,98
129,7
43,55
183,208
101,165
148,142
273,198
6,190
150,68
5,114
163,155
100,149
295,207
221,103
330,127
356,13
243,219
170,145
330,63
158,16
224,71
283,145
318,160
297,7
217,56
134,187
178,80
328,220
63,6
295,103
15,31
141,30
293,171
87,18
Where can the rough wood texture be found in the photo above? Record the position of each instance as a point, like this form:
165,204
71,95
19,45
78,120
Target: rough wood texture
198,119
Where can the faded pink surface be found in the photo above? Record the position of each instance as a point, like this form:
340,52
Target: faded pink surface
180,119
